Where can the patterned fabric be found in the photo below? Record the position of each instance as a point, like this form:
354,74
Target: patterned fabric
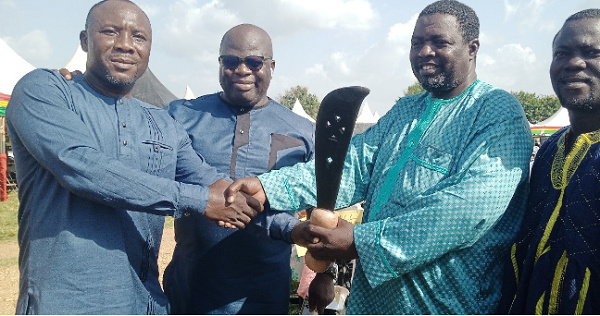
555,264
434,244
216,270
95,182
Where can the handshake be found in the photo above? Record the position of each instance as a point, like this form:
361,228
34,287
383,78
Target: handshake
233,205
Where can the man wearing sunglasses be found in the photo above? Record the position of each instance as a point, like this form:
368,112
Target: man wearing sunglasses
242,132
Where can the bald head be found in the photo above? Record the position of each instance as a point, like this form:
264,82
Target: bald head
90,14
244,36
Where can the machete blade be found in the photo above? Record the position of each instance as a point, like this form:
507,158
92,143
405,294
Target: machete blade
334,127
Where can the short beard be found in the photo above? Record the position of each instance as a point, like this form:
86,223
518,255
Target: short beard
439,84
588,104
120,83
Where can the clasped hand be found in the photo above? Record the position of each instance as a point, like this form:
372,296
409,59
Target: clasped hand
323,243
231,214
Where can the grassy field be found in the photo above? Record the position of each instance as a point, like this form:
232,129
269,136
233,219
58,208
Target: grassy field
9,271
8,218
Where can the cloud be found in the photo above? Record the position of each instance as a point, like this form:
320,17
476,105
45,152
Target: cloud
515,54
509,9
515,67
33,46
195,28
194,31
317,14
11,4
383,66
529,14
151,10
400,34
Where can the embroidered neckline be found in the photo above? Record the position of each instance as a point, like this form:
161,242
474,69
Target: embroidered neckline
565,164
442,101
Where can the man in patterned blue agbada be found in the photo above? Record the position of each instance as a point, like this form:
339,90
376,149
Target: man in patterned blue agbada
555,266
444,179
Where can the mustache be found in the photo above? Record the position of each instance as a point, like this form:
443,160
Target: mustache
568,78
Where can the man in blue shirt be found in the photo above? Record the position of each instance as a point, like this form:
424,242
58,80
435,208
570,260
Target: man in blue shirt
242,132
98,171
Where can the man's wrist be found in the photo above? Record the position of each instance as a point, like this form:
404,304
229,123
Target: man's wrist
332,271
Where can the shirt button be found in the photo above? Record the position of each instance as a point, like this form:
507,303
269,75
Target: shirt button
241,131
186,214
121,101
124,143
124,124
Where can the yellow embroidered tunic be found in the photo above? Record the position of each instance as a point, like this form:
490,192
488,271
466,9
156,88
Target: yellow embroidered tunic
555,261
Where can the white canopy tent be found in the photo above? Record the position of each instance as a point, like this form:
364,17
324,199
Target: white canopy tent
189,94
298,109
78,60
365,115
559,119
12,68
550,125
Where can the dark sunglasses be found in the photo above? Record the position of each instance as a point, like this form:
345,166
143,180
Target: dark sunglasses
255,63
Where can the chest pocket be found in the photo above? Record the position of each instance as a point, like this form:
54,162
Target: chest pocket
426,167
285,151
160,157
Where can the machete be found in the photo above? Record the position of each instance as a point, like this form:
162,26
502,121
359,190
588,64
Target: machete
334,127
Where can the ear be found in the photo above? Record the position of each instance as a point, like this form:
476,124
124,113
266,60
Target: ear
473,47
272,65
83,40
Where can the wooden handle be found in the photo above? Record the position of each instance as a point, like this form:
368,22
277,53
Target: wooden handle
322,218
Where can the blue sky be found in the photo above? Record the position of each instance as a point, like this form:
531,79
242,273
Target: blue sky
320,44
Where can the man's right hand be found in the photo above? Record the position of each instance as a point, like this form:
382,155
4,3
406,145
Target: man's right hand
248,185
235,214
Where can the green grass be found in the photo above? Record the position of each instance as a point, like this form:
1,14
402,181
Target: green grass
8,217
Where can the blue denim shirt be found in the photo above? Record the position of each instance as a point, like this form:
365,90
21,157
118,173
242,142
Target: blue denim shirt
96,178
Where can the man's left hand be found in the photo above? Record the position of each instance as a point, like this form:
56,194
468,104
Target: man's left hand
331,244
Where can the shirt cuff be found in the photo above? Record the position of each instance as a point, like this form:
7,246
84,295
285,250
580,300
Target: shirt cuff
278,191
192,199
372,256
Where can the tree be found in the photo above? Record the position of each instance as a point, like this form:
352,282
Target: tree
415,88
537,108
309,101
